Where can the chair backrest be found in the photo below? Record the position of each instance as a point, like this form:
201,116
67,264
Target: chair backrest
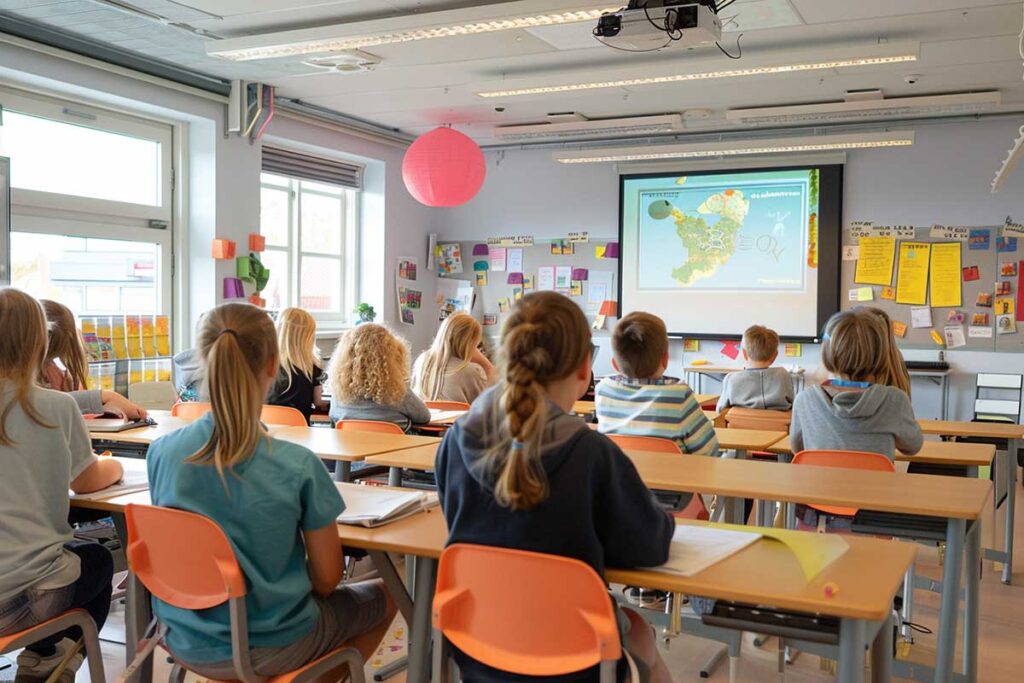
153,395
183,558
768,420
854,460
655,444
283,415
447,405
370,426
190,410
570,624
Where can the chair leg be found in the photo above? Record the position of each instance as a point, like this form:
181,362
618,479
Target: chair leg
908,606
93,653
177,674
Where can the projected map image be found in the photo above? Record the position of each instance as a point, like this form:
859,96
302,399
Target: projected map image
717,232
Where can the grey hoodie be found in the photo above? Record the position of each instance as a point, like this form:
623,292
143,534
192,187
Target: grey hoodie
187,372
879,419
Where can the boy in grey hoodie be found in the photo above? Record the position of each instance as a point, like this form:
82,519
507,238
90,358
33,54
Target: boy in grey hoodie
760,386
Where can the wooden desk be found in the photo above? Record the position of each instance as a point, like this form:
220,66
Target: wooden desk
165,424
942,453
745,440
346,446
419,459
584,408
698,372
1014,435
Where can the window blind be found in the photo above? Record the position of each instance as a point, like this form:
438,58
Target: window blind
307,167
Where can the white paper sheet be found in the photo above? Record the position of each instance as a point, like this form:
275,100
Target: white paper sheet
920,317
515,260
563,277
955,336
695,548
135,479
498,256
545,278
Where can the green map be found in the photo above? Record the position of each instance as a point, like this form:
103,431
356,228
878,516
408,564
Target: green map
709,246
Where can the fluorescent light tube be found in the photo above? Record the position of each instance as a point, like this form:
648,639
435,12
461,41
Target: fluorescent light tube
824,143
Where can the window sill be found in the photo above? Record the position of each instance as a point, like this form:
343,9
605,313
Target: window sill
333,330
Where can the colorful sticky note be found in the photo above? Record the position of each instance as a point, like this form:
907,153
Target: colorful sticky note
481,265
609,309
527,282
576,289
731,349
888,293
1006,245
257,242
233,288
612,250
579,274
794,350
517,293
691,346
480,250
599,251
865,294
257,300
556,247
971,274
503,305
223,249
1004,305
243,269
937,338
979,240
899,329
515,278
481,278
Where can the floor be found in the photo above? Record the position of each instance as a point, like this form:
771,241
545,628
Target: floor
1002,633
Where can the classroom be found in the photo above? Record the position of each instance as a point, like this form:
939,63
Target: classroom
659,341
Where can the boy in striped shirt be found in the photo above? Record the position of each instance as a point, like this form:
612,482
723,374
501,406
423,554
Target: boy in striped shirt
641,400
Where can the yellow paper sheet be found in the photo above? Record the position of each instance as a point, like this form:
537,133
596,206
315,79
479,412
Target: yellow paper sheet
899,329
937,338
865,294
814,552
875,261
945,275
912,273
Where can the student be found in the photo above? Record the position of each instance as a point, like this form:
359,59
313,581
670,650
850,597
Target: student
642,400
277,505
760,386
44,451
520,472
369,377
299,379
453,368
188,380
895,373
853,411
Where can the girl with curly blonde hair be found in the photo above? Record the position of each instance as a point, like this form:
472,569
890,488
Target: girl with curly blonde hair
369,379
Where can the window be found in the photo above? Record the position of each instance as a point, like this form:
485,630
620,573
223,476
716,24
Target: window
310,229
91,205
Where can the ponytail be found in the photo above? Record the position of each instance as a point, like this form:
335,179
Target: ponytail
237,344
22,348
544,340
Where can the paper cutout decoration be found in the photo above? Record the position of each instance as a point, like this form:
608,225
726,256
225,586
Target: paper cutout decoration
1005,324
223,249
580,274
1008,269
517,293
527,282
955,318
888,293
984,300
480,250
243,269
233,288
1003,288
481,266
257,300
576,289
691,346
946,289
971,274
920,317
793,350
490,319
515,278
609,309
899,329
611,250
731,349
937,338
1006,245
876,258
1005,305
257,242
979,240
599,251
481,278
980,320
556,247
503,305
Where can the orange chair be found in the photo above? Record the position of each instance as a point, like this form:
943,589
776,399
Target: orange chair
62,622
186,560
369,426
447,405
855,460
478,607
695,509
283,415
190,411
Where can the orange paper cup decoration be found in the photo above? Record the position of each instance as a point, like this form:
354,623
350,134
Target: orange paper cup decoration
255,300
223,249
257,242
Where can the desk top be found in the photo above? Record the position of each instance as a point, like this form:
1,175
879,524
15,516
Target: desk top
350,445
165,424
994,430
915,494
747,439
420,458
933,453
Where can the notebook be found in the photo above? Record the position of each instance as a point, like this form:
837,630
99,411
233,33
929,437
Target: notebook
111,423
373,506
695,548
135,479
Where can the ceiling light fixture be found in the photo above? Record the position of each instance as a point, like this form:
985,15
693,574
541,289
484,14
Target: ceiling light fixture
634,125
856,109
806,144
704,76
292,43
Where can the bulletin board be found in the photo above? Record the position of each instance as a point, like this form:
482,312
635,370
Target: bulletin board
489,297
980,258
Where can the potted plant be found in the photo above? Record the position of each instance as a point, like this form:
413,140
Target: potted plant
365,312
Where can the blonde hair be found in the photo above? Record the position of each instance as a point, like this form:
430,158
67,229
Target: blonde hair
545,339
22,349
65,344
236,344
458,337
896,373
761,343
639,343
369,363
856,346
296,343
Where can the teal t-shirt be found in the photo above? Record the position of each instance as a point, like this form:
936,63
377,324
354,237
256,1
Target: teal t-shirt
282,490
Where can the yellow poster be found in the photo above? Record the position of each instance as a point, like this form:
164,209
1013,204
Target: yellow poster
945,275
912,273
875,261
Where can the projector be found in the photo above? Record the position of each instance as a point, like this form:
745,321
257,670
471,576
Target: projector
646,25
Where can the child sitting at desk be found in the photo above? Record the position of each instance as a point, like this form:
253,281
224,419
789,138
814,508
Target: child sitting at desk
520,472
369,378
277,505
641,400
453,368
300,375
760,386
45,450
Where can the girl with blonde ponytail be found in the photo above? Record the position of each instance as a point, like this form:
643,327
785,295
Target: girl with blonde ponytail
274,500
519,471
453,368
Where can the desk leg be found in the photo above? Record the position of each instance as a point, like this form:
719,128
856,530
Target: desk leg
852,640
972,590
395,476
956,530
342,470
1011,505
137,617
419,629
945,397
881,653
393,582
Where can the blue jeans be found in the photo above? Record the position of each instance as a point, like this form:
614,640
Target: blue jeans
90,592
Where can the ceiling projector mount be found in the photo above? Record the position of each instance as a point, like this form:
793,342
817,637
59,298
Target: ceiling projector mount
651,25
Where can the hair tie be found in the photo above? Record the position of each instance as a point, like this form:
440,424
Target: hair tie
227,331
518,445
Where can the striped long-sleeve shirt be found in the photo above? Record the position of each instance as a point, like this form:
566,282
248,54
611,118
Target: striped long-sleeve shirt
663,407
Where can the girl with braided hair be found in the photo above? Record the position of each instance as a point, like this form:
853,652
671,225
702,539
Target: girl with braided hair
519,471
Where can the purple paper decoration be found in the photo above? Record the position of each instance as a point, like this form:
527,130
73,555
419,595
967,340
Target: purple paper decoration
611,250
580,274
233,288
515,278
480,250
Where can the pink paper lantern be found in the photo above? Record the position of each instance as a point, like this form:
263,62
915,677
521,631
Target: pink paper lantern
444,168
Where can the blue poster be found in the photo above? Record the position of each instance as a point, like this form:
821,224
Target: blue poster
1006,245
980,240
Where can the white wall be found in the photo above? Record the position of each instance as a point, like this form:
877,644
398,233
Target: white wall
944,178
